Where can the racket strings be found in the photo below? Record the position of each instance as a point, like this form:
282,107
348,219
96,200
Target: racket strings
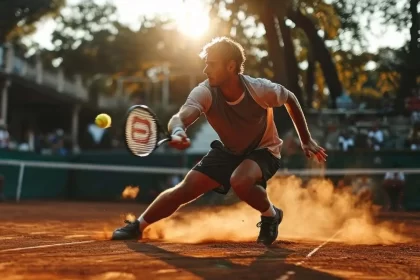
141,132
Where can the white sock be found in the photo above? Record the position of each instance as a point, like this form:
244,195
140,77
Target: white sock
270,212
143,223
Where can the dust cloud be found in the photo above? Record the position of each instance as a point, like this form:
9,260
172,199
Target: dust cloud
130,192
315,212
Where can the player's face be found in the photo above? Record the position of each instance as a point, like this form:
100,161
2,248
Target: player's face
216,69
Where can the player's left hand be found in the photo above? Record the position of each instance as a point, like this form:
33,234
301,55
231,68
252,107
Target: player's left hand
312,148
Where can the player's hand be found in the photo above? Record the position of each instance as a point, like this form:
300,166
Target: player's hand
312,148
180,141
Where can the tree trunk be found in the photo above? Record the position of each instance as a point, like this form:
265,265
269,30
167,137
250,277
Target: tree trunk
291,61
276,54
415,38
321,53
275,50
310,78
411,68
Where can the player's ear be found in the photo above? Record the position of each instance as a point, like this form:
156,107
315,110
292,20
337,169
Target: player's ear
231,65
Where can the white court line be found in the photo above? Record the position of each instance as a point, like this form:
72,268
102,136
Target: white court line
46,246
310,254
322,245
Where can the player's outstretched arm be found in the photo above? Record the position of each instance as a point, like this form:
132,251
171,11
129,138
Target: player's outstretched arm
309,145
183,119
276,95
178,124
197,103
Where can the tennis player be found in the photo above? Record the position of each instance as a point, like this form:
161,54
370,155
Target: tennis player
240,109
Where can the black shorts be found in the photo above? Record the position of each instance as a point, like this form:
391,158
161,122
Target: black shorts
219,165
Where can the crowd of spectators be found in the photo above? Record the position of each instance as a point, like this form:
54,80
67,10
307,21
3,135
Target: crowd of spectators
56,142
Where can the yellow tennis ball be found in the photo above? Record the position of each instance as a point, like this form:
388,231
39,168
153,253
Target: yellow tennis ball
103,120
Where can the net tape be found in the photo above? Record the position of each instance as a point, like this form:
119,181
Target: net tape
181,170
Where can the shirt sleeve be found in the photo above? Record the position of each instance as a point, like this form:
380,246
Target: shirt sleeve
275,95
199,98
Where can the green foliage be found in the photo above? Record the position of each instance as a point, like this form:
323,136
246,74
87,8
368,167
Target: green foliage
90,41
18,16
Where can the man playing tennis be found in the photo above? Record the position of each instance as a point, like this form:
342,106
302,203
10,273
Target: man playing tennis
239,108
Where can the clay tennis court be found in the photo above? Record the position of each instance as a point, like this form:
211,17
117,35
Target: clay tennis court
67,240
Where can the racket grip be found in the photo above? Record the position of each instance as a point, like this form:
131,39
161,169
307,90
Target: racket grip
176,138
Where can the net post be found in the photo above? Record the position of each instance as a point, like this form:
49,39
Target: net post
20,181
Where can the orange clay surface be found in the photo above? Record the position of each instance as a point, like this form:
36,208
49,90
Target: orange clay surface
69,240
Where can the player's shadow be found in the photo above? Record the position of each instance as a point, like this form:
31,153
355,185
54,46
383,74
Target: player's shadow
268,265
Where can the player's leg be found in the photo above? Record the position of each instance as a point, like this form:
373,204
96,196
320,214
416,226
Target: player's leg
244,182
393,194
249,182
194,185
400,198
387,199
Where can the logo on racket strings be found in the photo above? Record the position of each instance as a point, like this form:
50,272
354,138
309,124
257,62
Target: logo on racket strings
140,130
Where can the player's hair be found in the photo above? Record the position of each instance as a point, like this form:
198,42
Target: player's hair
230,49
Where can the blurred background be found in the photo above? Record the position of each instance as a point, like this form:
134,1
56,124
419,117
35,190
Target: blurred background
354,66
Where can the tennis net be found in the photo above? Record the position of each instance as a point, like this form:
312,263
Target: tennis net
82,181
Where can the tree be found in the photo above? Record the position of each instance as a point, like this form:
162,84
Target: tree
320,53
280,39
406,62
18,16
411,69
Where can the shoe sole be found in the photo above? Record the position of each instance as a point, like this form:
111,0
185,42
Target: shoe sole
123,236
119,238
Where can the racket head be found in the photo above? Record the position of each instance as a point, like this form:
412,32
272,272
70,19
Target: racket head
141,130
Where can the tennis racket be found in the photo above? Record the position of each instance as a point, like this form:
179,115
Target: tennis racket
143,132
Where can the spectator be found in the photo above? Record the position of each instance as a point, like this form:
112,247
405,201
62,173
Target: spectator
415,117
58,147
4,137
346,141
344,101
363,188
376,137
394,187
96,138
414,138
331,137
412,103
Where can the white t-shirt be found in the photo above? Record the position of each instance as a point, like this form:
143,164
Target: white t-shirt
377,135
4,138
393,175
345,142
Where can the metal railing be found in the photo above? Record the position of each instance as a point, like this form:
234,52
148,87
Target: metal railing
36,73
56,80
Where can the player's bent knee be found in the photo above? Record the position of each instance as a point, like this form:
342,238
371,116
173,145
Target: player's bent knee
194,185
241,184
